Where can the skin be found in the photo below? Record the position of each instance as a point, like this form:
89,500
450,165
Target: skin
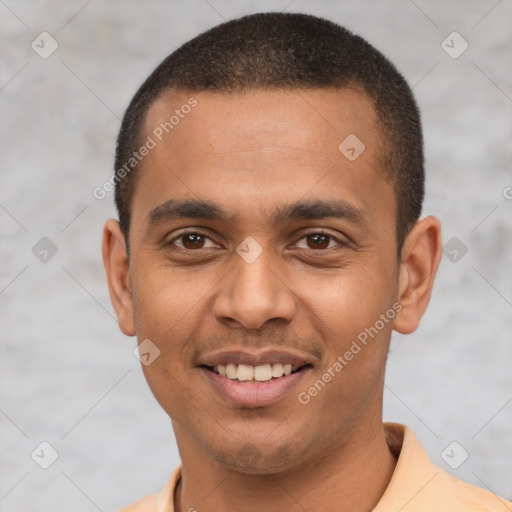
253,153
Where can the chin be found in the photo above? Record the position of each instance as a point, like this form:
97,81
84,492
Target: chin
253,459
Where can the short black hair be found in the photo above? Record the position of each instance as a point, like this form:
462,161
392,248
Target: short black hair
287,51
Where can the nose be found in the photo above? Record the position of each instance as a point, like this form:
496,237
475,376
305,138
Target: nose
252,294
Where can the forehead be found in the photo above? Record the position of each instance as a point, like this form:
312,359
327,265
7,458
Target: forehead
228,121
260,147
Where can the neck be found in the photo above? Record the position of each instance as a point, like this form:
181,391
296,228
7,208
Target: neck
351,476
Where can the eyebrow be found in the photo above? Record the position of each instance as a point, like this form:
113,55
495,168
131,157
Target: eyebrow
174,209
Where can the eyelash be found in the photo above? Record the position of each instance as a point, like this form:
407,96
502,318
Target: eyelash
186,233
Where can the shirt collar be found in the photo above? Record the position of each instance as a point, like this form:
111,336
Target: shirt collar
417,485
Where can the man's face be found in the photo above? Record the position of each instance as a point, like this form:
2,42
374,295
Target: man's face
319,281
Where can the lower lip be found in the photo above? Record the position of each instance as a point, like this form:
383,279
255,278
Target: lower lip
254,394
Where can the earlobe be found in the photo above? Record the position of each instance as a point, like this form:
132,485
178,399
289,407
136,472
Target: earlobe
421,255
118,276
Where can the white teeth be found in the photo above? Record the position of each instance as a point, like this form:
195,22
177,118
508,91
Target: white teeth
231,370
263,372
247,372
277,370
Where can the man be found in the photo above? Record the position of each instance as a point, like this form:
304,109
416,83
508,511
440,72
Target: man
269,183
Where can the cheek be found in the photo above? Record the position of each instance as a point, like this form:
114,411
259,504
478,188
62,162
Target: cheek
354,313
351,299
168,310
166,299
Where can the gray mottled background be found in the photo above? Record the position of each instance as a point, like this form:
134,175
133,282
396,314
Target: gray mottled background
69,377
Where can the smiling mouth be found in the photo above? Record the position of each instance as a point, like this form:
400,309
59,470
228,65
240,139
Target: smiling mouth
253,374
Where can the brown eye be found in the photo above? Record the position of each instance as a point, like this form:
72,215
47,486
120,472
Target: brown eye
191,241
319,241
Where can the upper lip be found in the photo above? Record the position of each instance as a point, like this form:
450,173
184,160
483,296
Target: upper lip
254,358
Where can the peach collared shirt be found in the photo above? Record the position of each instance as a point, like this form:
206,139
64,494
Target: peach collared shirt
417,485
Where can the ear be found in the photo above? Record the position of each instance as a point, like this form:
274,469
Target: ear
117,268
421,255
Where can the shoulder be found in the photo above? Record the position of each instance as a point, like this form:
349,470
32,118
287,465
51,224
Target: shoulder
474,498
419,485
